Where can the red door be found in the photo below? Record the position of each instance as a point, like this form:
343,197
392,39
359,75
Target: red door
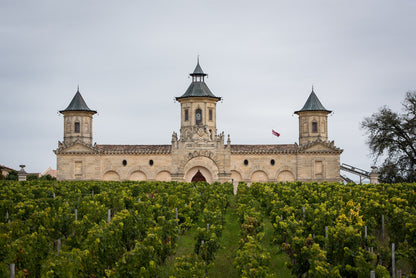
198,177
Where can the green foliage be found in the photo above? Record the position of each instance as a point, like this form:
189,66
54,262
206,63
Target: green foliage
143,230
302,214
251,260
31,177
12,176
47,178
190,266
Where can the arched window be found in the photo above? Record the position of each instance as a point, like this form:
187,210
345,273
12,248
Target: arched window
198,116
76,127
186,115
314,127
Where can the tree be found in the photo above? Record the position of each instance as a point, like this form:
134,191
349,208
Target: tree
12,175
393,135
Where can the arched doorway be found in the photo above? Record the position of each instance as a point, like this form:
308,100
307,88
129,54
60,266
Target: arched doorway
205,165
198,177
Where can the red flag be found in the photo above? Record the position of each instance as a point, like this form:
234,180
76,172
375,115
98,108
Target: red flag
275,133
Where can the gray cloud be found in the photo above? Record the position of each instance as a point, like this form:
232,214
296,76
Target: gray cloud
131,59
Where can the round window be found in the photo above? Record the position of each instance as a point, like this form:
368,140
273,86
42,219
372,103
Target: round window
272,162
151,162
124,162
245,162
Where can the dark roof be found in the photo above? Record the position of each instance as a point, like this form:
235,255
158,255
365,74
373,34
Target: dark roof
78,104
2,167
198,87
313,104
198,71
142,149
263,149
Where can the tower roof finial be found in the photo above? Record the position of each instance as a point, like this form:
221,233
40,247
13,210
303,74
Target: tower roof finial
313,104
78,104
198,70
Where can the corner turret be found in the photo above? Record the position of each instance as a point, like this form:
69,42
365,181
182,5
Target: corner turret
313,121
78,121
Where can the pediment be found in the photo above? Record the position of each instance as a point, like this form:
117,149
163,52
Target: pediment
77,147
320,146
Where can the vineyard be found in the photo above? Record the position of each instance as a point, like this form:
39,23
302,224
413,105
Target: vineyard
140,229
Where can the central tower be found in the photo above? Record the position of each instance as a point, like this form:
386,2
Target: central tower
199,153
198,108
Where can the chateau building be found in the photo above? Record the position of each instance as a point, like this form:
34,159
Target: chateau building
199,152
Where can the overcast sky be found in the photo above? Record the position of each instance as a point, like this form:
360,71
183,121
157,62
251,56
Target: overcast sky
131,58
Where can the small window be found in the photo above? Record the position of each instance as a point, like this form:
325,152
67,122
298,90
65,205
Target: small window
314,127
151,162
76,127
272,162
124,162
210,114
186,115
198,116
245,162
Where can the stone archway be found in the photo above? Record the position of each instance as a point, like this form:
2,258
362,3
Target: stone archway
285,176
111,176
259,176
198,177
138,176
204,165
163,176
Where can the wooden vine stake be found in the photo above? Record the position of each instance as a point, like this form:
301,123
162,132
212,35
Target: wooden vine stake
109,215
303,211
12,268
393,263
59,245
382,227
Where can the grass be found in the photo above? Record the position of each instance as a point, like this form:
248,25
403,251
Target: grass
185,246
278,257
229,242
222,266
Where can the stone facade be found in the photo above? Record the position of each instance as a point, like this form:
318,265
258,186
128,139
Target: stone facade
198,152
